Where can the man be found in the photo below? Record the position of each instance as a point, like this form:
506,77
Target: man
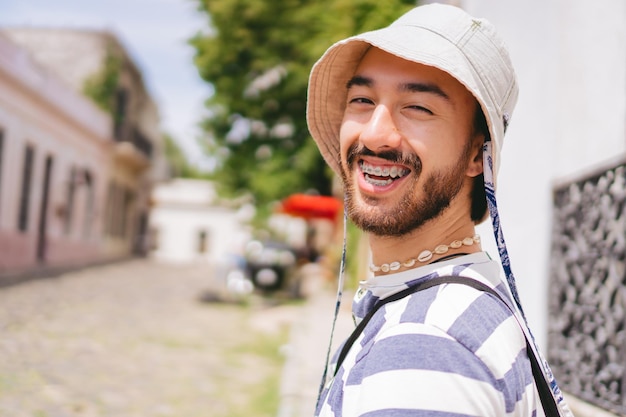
412,117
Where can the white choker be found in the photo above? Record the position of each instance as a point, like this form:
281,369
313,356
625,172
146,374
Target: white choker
425,255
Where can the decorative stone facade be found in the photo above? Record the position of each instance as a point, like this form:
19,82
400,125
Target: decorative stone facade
587,326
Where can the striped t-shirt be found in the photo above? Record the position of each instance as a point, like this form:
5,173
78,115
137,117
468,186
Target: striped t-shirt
449,350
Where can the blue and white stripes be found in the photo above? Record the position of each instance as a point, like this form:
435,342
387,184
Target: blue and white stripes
449,350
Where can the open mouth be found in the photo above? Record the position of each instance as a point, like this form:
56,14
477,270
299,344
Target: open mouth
382,175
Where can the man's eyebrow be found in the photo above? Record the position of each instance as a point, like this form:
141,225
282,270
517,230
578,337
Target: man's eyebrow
424,88
360,81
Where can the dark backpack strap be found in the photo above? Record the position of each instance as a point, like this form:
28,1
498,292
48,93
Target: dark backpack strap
394,297
545,393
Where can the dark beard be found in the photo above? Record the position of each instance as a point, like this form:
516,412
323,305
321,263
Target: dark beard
412,212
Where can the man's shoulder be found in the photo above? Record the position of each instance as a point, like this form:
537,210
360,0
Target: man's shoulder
475,319
461,311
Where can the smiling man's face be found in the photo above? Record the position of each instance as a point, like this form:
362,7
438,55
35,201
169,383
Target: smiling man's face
408,144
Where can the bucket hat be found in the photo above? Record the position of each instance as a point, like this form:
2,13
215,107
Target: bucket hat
438,35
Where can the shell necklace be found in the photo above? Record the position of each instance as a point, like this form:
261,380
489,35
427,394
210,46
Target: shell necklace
425,255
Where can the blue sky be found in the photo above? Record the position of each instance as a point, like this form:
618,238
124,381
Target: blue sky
155,33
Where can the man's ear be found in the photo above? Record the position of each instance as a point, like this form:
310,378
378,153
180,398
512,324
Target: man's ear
475,164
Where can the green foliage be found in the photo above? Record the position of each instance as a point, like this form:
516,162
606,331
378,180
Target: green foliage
101,87
258,129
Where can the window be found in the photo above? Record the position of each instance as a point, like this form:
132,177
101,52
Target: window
89,204
126,203
69,202
202,241
110,209
42,232
24,201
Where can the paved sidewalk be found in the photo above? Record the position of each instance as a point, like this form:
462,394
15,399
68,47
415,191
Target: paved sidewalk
308,346
132,339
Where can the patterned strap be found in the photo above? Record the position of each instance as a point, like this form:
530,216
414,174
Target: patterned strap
508,272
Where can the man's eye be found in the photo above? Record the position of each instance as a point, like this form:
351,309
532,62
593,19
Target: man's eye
421,109
360,100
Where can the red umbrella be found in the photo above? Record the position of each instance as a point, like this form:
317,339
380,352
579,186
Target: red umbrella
311,206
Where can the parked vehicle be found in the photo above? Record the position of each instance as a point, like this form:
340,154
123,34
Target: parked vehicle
271,265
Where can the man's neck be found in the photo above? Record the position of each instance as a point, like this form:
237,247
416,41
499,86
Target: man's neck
388,249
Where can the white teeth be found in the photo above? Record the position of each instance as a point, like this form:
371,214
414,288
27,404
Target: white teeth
378,183
393,172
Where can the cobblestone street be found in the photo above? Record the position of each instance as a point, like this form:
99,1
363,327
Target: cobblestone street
135,339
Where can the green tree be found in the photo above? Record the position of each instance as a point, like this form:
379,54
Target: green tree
102,86
257,55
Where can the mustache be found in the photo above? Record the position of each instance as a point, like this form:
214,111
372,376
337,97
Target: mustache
394,156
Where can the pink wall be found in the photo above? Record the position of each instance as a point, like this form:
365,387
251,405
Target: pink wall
17,251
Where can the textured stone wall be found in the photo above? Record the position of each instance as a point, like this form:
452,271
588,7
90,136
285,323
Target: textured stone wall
587,339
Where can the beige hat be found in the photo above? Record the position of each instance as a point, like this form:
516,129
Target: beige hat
438,35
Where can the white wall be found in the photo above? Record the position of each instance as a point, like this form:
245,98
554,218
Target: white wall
182,209
178,231
570,58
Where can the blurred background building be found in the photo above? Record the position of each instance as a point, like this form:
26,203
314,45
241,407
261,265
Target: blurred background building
80,149
189,223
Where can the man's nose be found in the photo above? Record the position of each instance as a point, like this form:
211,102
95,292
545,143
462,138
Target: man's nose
380,131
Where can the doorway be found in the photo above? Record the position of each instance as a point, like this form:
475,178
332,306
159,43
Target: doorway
43,212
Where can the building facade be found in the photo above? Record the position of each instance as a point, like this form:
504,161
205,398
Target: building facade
189,224
75,176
